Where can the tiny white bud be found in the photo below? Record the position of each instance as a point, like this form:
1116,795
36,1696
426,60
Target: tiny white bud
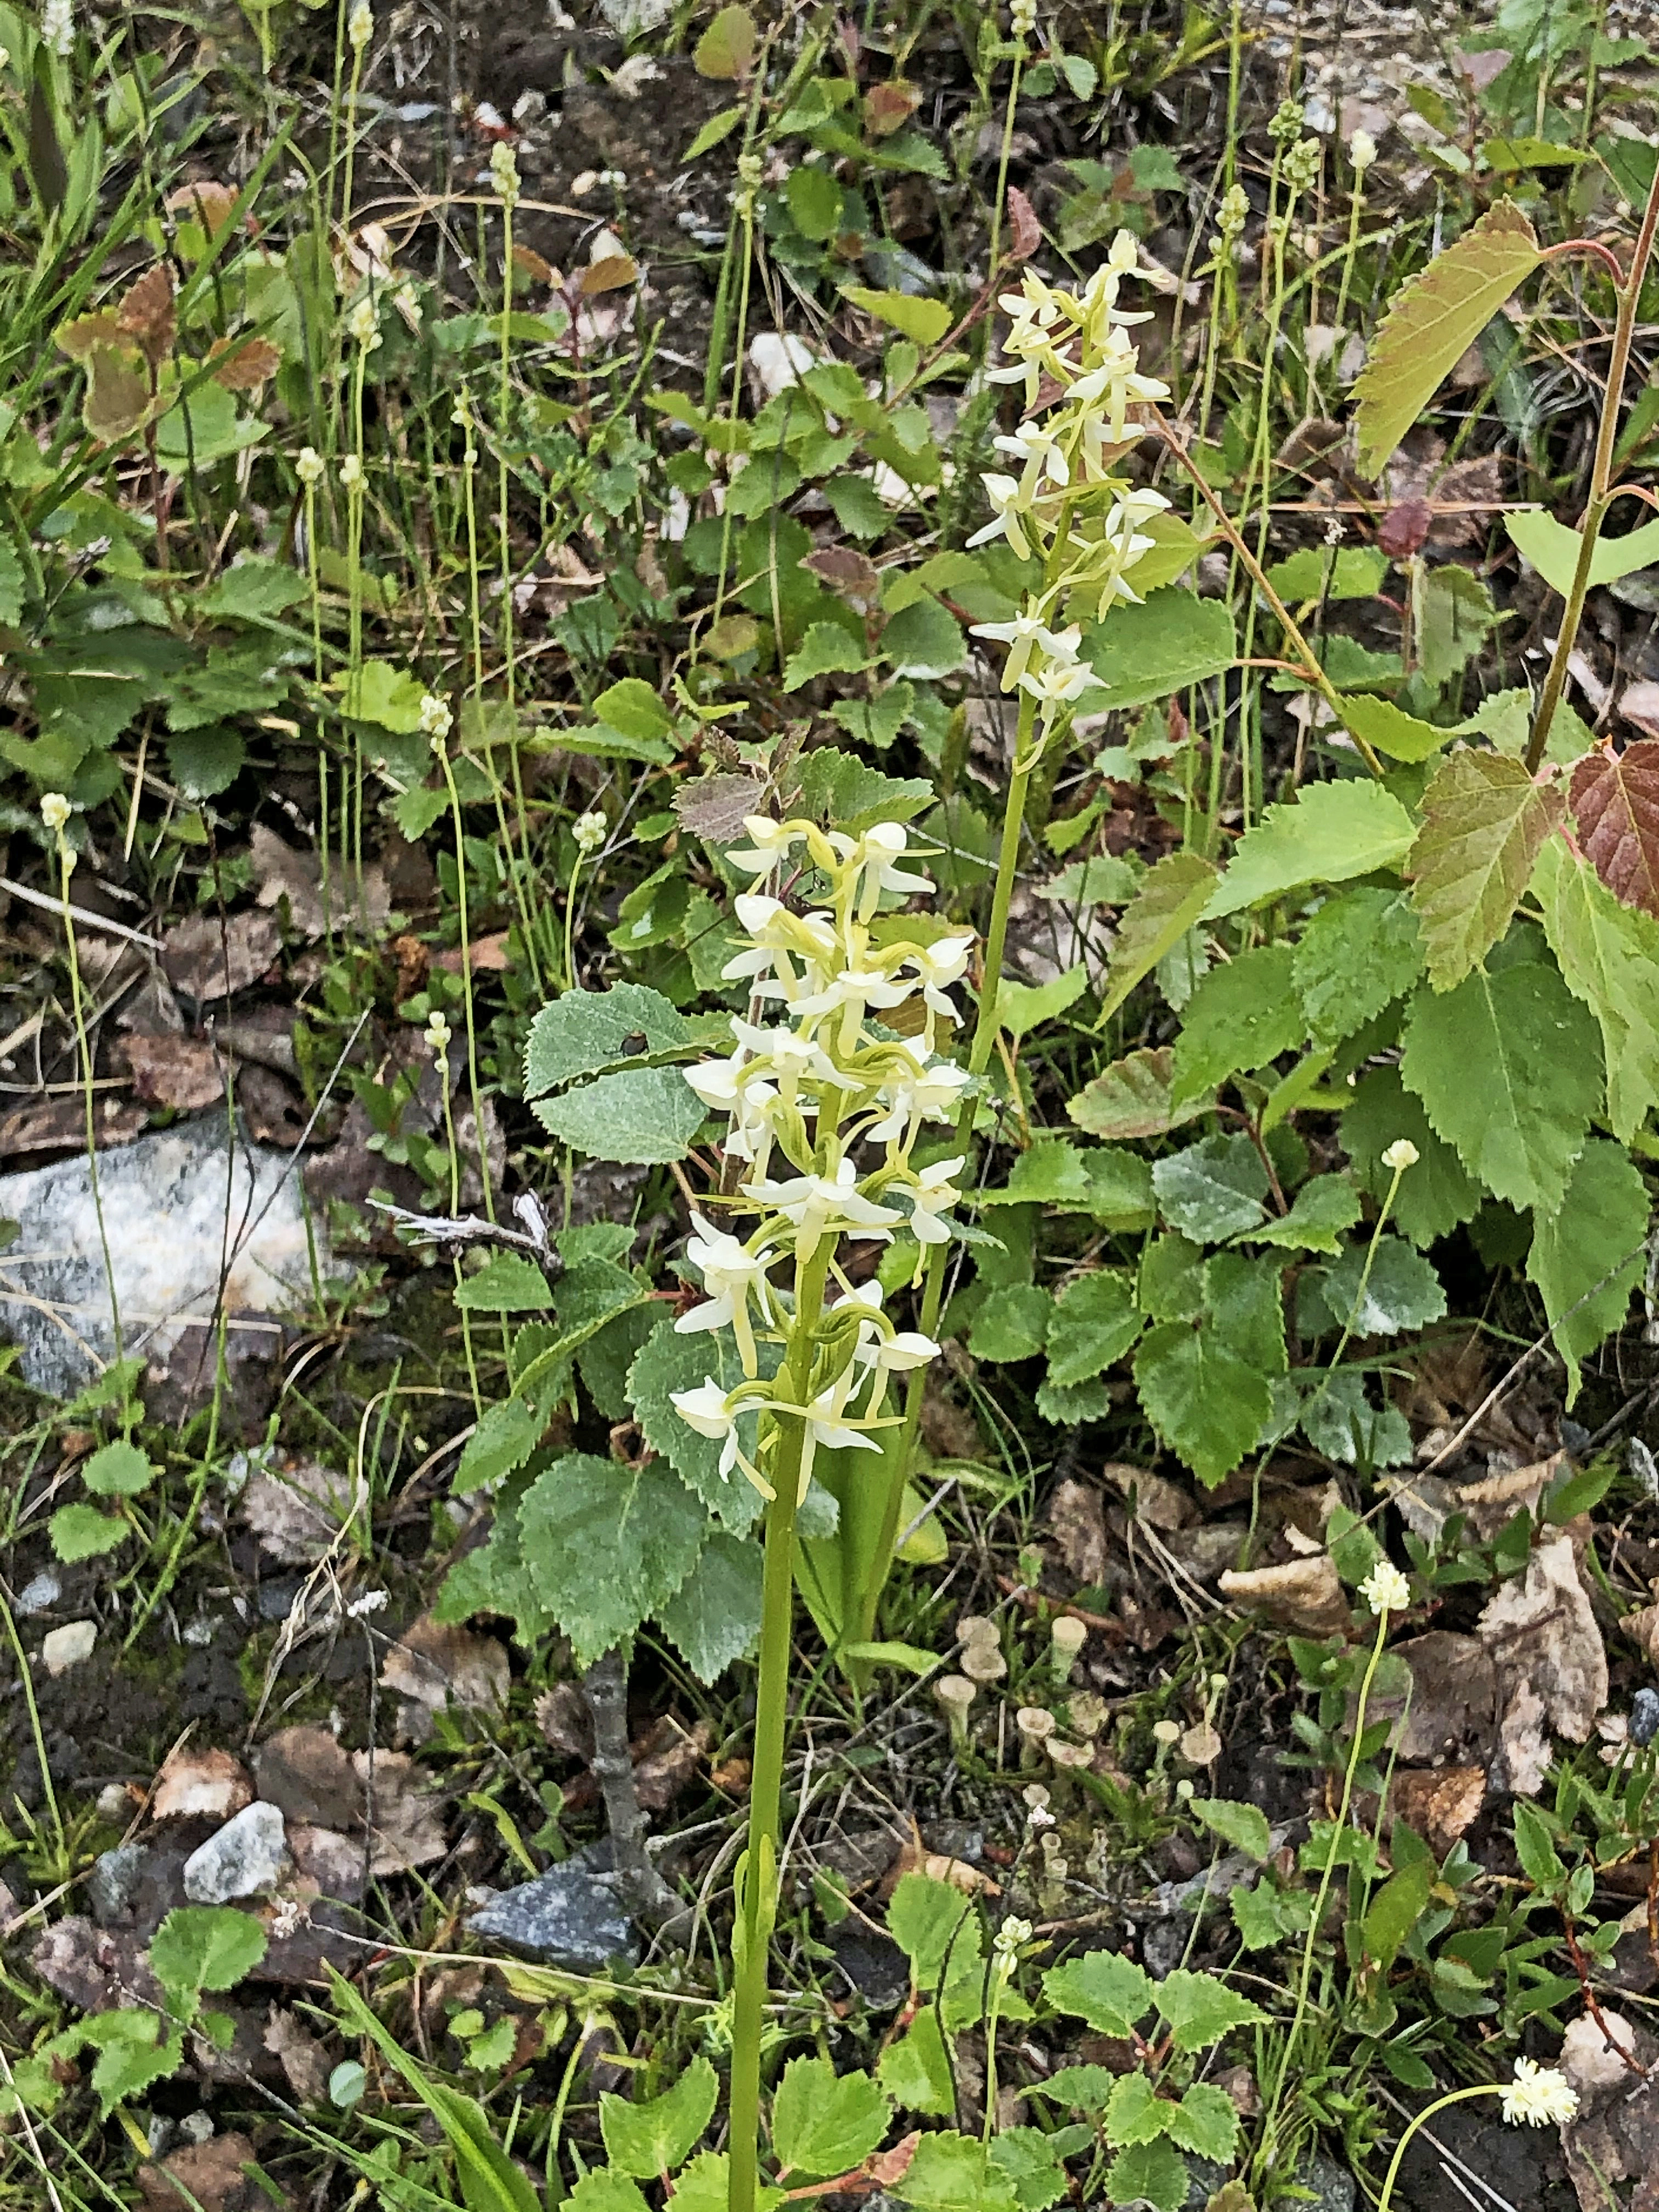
308,466
1385,1589
351,471
589,830
362,324
1400,1155
55,811
359,26
1022,18
437,1034
436,720
1362,151
504,173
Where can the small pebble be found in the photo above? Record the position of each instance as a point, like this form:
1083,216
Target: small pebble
196,2128
1644,1718
248,1854
41,1594
68,1646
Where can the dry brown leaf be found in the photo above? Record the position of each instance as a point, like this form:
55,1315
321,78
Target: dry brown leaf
296,1509
565,1722
850,574
301,2056
147,315
614,274
182,1072
1497,1498
210,2177
437,1664
1452,1714
1552,1668
666,1761
281,873
715,805
1161,1505
1642,1627
1439,1805
207,1785
207,960
937,1866
309,1777
1025,231
203,201
1078,1527
405,1812
486,956
1639,704
1305,1594
244,364
1615,800
59,1124
1615,2137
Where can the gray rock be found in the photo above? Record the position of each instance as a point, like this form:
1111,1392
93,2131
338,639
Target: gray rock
568,1917
165,1206
41,1593
69,1646
248,1854
113,1885
1332,2187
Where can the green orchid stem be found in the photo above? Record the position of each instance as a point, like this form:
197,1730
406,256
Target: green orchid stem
897,1467
758,1896
1629,296
1452,2097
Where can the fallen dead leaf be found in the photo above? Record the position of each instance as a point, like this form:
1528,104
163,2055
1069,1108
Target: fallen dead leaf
209,2176
208,1785
296,1509
274,1111
207,959
666,1761
182,1072
94,1969
732,1777
1639,704
562,1716
715,805
405,1812
1439,1805
485,955
915,1858
1305,1594
281,875
437,1664
1497,1498
1078,1527
301,2056
58,1124
1552,1668
1161,1505
309,1777
1451,1717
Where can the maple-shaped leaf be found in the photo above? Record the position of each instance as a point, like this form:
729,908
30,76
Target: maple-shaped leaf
1484,819
147,315
1171,897
1615,797
242,365
1435,318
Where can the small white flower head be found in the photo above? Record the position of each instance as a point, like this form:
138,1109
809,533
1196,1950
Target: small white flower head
436,720
1538,2097
359,26
1385,1589
55,811
589,831
1285,126
57,27
372,1600
1022,18
437,1034
1006,1944
351,471
363,323
308,466
1400,1156
1362,151
504,173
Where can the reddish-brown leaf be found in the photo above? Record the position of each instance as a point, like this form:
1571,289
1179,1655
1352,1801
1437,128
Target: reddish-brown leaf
889,105
614,274
1404,529
1615,797
203,202
239,366
147,315
1025,231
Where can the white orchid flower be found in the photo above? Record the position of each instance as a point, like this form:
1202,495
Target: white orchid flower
815,1205
732,1275
1008,505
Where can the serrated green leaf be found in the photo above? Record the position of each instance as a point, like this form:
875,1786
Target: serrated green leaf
825,2124
1011,1324
608,1545
828,649
924,642
508,1283
1245,1827
203,761
118,1470
1206,1404
506,1434
715,1616
1329,832
950,2173
1390,731
132,2056
1172,897
1244,1303
1317,572
1079,2088
650,2138
581,1032
1552,549
1105,1989
1437,1192
1340,1420
836,787
1452,613
1169,641
388,697
1198,2010
1153,2174
1608,955
1105,880
1213,1189
935,1926
1586,1259
1322,1208
205,1947
1434,320
1206,2122
1135,2113
1024,1006
1509,1069
82,1531
916,2070
633,709
925,321
1361,950
1028,2160
641,1116
1094,1322
1134,1097
1242,1015
1401,1290
603,2190
1484,820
